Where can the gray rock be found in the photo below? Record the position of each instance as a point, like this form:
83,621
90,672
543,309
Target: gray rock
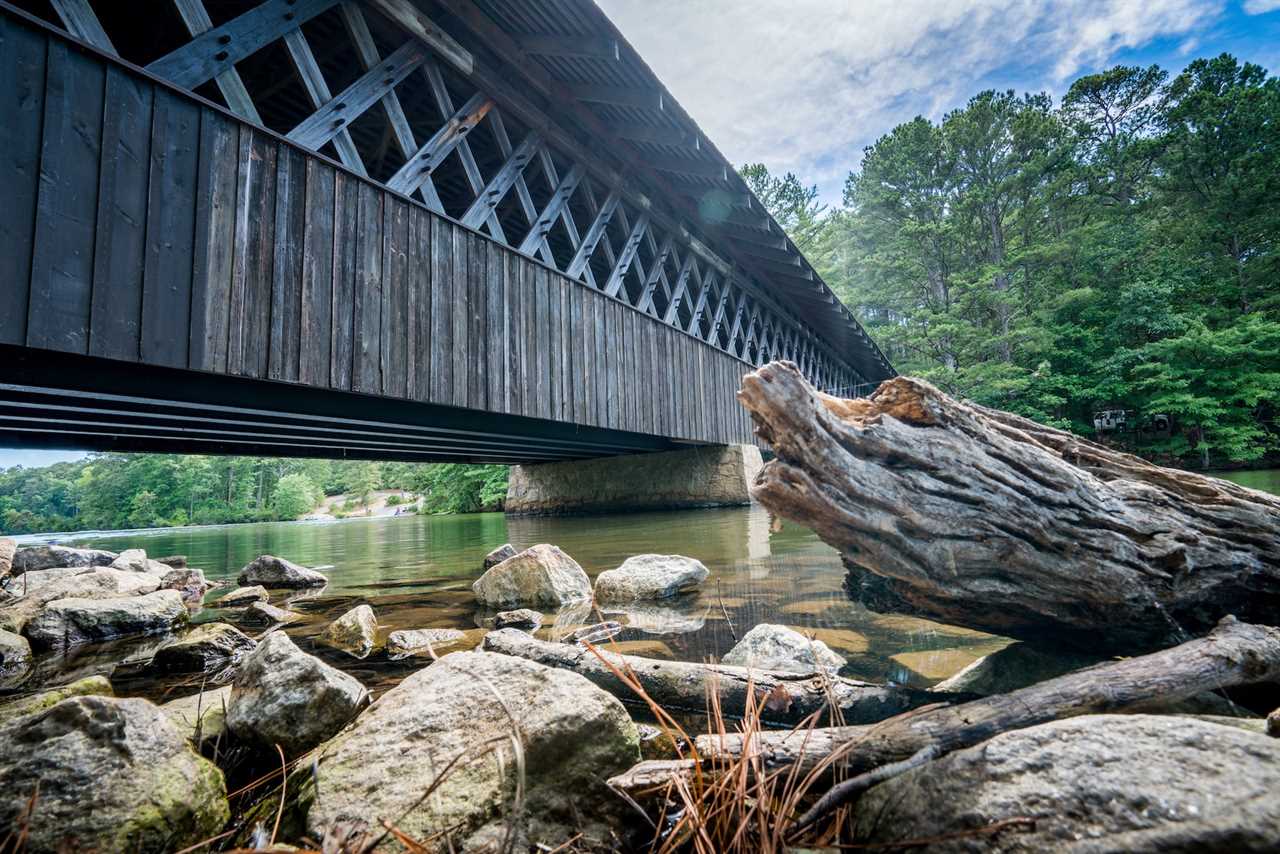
1273,724
1016,666
136,560
47,557
272,571
266,614
8,548
541,575
89,686
241,596
498,555
773,647
15,652
200,717
49,585
284,696
174,561
469,704
521,618
1133,783
70,622
355,632
188,581
204,649
650,576
429,642
113,775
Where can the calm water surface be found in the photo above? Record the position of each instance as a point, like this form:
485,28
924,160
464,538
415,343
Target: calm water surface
416,572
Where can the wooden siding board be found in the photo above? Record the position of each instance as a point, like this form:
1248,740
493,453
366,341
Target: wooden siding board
214,264
478,343
67,201
461,314
346,226
495,329
315,336
420,282
22,92
286,261
255,228
550,297
367,374
394,335
121,240
441,311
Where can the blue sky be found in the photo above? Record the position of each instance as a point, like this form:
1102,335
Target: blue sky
804,85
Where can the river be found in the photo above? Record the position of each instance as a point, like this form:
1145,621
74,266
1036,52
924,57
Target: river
416,572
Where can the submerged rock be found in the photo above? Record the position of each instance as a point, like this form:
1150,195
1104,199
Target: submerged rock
112,774
595,633
272,571
241,596
498,555
205,648
89,686
773,647
32,558
1134,783
469,705
541,575
522,618
355,632
70,622
407,642
174,561
266,614
200,717
657,619
284,696
650,576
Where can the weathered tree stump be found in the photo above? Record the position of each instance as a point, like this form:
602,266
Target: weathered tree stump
985,519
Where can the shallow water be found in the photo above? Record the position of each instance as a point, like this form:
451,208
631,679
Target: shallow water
416,572
1268,480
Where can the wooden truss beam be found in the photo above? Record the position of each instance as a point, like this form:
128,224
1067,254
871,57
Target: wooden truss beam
79,19
413,20
197,21
497,188
593,236
559,200
426,159
628,256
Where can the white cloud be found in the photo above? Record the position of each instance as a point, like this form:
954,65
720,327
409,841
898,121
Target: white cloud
1258,7
803,85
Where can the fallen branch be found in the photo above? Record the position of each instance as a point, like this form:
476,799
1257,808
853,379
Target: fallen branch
1234,653
687,685
982,518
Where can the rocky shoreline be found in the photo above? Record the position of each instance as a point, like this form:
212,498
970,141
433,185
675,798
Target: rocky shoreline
498,741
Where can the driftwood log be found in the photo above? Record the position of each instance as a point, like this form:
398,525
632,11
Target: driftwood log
1232,654
985,519
686,685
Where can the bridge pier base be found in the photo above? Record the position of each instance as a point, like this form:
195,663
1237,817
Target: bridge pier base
705,476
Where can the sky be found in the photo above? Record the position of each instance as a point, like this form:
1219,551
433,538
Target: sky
805,85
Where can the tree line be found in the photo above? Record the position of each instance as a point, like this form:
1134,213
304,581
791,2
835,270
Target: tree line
112,491
1114,251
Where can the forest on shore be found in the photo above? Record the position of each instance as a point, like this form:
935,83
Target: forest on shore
1114,251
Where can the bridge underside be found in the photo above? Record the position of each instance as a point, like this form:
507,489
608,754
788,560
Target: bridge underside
65,401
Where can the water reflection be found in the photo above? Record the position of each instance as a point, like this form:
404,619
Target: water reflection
417,572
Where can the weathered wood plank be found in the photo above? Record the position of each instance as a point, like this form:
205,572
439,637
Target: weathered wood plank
196,18
66,208
420,164
222,47
214,243
119,252
22,92
502,181
315,337
477,302
287,262
395,306
567,386
346,226
367,373
420,299
78,17
529,338
495,333
254,265
513,326
551,342
441,311
554,210
461,314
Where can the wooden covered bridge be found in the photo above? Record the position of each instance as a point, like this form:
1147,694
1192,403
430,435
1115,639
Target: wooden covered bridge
415,229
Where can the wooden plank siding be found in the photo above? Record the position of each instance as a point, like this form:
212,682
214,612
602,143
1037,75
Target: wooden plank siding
146,225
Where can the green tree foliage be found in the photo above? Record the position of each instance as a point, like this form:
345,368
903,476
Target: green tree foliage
1118,249
294,495
457,488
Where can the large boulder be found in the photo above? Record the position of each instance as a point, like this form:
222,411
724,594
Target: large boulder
773,647
284,696
205,648
1134,783
70,622
187,580
136,560
200,717
429,642
272,571
355,632
468,706
498,555
38,588
541,575
650,576
241,597
111,775
47,557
